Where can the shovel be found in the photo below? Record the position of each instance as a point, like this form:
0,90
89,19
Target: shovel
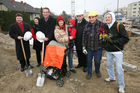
41,77
28,72
42,53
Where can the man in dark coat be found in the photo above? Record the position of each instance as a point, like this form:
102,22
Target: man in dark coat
80,24
47,25
17,32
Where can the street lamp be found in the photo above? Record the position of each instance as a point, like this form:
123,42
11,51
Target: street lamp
117,9
117,6
84,6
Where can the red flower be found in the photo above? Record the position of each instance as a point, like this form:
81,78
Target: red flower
101,30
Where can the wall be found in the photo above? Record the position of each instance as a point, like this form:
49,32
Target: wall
3,8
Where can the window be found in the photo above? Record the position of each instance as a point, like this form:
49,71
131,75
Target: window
134,8
135,4
134,11
14,6
133,15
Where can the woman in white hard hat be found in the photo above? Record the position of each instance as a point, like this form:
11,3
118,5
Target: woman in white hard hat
36,44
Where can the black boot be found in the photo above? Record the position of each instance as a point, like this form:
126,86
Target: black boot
78,66
85,69
22,69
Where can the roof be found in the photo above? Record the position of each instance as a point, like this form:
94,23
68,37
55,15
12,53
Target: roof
19,6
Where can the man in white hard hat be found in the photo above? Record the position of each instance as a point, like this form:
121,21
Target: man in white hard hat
92,44
17,32
80,24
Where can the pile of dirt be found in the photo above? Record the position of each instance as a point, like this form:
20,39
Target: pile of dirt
132,51
14,81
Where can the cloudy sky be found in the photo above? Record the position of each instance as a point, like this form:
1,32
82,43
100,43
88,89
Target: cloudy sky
57,6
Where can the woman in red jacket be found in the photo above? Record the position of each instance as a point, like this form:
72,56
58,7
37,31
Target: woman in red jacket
36,44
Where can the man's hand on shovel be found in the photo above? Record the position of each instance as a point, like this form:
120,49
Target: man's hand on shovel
45,39
19,37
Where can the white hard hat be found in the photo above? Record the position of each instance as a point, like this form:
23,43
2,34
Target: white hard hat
79,12
27,36
40,36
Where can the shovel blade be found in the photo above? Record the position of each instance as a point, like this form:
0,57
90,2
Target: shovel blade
40,80
28,72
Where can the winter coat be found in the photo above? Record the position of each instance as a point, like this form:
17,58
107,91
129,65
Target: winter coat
118,39
36,44
47,27
71,33
79,34
90,38
61,36
14,32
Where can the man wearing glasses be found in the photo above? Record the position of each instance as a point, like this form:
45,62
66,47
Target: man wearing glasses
80,24
92,44
47,25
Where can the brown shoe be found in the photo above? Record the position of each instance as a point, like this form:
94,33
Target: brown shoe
88,76
73,70
98,75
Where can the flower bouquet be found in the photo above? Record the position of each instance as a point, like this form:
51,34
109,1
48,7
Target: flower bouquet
106,37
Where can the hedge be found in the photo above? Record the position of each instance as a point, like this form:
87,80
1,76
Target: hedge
8,17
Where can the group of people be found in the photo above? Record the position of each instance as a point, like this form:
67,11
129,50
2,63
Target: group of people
88,37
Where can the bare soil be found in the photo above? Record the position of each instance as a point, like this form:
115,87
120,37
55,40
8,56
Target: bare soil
14,81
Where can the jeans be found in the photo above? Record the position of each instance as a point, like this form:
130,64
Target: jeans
119,70
97,54
70,58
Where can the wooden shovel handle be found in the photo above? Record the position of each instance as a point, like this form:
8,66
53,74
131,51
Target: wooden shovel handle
23,49
42,53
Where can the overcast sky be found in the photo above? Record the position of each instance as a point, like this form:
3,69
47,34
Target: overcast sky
57,6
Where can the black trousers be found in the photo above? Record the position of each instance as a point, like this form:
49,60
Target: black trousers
23,63
64,65
82,58
38,56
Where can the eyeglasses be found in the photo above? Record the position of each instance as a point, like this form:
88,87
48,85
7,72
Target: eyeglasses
70,24
91,17
78,15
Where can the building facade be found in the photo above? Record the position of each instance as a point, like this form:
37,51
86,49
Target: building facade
12,5
123,11
133,10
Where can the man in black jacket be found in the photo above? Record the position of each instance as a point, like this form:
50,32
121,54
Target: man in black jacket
80,24
47,25
17,32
